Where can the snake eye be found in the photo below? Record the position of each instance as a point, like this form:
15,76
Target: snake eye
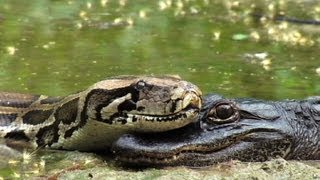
140,85
223,113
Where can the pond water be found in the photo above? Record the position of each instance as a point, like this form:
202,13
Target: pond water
234,48
58,47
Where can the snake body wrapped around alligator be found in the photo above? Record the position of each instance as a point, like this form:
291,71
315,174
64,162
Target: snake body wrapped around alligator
92,119
231,129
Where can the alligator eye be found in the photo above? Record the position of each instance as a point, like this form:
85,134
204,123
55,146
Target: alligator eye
140,85
222,113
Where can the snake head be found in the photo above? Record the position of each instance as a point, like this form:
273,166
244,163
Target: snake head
144,103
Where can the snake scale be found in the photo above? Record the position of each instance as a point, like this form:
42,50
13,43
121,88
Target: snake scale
92,119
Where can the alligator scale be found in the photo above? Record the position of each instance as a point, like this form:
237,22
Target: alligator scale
92,119
232,129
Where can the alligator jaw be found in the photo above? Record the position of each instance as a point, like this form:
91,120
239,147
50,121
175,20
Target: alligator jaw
257,131
191,147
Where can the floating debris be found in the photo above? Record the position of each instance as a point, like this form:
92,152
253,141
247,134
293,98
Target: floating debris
48,45
260,58
194,10
79,25
179,4
84,15
240,37
11,50
103,3
164,4
117,22
318,71
122,2
130,22
89,5
255,35
266,64
216,35
142,14
192,69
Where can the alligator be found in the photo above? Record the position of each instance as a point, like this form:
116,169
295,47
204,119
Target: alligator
231,129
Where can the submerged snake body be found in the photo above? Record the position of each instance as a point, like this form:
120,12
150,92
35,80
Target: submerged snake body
93,118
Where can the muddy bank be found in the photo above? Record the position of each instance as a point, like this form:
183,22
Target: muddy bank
75,165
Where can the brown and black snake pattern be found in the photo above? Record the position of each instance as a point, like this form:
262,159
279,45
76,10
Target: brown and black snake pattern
92,119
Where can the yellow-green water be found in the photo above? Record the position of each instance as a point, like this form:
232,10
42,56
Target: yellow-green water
57,47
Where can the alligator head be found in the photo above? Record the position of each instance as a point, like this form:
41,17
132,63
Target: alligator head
231,129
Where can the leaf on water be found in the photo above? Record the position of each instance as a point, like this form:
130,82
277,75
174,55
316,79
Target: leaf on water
240,37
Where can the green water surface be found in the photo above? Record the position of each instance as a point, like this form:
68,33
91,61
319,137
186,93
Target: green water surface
57,47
